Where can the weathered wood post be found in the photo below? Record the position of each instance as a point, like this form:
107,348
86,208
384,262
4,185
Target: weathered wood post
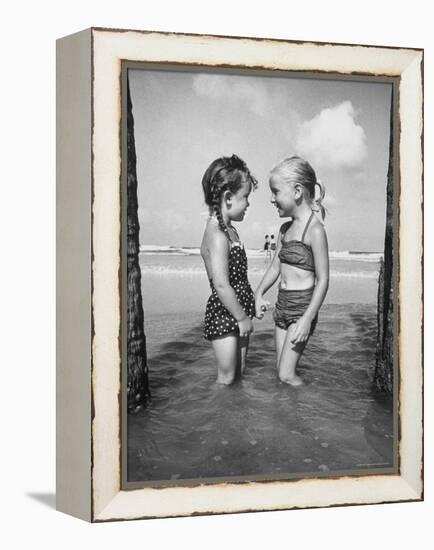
383,374
137,384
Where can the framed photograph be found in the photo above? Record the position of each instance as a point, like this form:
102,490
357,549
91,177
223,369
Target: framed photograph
240,285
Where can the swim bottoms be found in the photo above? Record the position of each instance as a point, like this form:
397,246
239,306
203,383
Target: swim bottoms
291,305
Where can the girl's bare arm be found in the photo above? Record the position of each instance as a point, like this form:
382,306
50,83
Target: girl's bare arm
320,249
273,271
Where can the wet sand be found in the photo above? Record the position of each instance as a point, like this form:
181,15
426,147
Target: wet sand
194,428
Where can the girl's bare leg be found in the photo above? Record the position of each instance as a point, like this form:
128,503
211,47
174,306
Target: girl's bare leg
243,348
289,358
226,351
280,335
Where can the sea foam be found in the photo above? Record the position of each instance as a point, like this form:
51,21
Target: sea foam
194,271
344,255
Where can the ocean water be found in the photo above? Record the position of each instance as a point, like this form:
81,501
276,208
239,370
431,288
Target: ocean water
193,428
176,281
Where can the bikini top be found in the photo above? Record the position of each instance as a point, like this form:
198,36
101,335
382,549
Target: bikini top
297,253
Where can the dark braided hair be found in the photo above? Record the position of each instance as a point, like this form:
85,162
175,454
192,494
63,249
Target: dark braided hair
224,174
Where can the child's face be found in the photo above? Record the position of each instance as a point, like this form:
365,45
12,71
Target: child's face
282,195
239,202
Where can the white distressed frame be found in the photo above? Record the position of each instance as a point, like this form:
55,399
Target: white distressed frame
109,47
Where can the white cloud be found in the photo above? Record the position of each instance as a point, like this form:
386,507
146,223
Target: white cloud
333,139
246,91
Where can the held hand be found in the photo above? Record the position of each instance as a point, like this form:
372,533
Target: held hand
301,330
261,306
245,326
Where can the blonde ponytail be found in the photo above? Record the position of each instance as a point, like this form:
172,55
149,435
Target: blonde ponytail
318,200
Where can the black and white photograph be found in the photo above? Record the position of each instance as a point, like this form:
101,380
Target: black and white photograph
259,237
217,231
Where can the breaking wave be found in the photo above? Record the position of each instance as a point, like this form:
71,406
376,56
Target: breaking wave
354,256
194,271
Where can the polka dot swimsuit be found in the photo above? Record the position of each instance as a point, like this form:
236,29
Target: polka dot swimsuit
218,321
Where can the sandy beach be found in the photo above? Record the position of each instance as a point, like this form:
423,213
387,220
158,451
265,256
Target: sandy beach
194,428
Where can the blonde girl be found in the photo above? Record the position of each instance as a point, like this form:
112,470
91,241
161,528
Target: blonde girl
301,262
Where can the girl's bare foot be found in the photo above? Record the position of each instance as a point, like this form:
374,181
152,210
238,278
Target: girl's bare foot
293,381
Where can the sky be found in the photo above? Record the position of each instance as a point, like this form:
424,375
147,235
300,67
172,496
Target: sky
185,120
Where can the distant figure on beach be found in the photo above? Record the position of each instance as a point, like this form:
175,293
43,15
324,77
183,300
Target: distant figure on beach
267,247
227,184
301,260
272,244
267,243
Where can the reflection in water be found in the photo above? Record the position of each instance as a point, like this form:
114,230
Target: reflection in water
194,428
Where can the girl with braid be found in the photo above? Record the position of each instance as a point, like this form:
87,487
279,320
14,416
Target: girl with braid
301,262
227,184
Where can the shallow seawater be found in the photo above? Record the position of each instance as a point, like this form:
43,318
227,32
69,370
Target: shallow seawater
172,284
194,428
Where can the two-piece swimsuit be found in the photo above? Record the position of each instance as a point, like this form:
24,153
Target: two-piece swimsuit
219,322
291,304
